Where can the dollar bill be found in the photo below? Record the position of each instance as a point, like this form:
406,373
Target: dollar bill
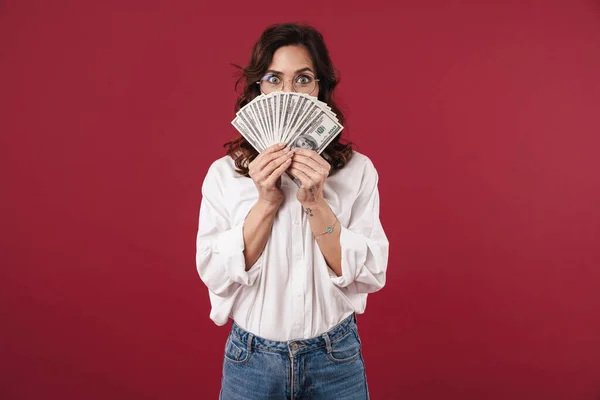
246,132
317,134
297,119
250,122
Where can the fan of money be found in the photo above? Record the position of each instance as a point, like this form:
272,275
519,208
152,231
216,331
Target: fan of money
296,119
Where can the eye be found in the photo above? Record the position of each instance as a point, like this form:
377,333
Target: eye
272,79
304,79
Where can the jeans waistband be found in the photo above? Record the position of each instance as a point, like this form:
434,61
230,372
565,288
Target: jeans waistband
295,346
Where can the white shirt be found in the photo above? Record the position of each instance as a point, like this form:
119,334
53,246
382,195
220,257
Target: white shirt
290,292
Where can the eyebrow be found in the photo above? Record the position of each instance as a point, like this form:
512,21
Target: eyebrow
297,71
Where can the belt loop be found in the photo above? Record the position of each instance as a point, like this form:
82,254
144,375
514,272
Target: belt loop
327,342
249,344
354,317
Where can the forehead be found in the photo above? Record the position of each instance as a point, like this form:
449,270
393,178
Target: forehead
289,59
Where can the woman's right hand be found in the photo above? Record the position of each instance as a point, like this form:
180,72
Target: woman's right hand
266,170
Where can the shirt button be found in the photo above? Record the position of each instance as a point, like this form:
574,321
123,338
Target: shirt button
296,223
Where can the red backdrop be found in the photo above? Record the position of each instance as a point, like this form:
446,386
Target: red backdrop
482,119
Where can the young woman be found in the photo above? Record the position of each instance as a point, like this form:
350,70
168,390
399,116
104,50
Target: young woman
291,265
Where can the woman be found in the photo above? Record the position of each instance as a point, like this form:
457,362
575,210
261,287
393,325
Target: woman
291,265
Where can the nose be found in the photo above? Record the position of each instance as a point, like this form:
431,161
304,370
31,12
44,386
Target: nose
287,87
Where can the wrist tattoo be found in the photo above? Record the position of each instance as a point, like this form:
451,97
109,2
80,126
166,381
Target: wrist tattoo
308,212
312,192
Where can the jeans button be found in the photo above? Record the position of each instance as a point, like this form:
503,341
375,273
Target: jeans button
295,346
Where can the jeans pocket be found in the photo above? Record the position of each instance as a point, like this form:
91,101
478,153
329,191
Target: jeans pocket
345,349
235,351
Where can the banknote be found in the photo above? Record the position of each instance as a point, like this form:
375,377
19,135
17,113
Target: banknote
297,119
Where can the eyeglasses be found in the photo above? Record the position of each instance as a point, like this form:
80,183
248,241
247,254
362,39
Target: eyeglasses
303,83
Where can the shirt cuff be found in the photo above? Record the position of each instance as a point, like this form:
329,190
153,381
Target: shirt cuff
354,256
230,247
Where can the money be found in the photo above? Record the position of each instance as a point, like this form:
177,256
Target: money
296,119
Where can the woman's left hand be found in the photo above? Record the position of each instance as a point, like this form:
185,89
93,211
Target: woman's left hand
312,170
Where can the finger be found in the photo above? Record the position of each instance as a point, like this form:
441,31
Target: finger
304,179
314,156
305,182
309,162
273,148
264,159
272,179
269,151
314,176
268,169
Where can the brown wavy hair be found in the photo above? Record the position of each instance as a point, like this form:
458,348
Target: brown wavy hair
336,153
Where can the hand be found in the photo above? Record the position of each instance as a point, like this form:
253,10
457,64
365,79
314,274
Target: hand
266,169
312,170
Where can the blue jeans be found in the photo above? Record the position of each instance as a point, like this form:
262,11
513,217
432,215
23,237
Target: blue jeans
329,366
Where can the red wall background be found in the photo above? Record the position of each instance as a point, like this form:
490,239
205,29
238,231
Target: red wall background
483,119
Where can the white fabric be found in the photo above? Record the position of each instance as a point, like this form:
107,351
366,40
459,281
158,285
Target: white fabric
290,292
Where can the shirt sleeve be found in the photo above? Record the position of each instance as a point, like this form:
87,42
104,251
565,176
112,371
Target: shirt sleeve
220,251
365,247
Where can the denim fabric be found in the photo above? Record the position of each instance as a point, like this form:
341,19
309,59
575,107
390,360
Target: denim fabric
329,366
